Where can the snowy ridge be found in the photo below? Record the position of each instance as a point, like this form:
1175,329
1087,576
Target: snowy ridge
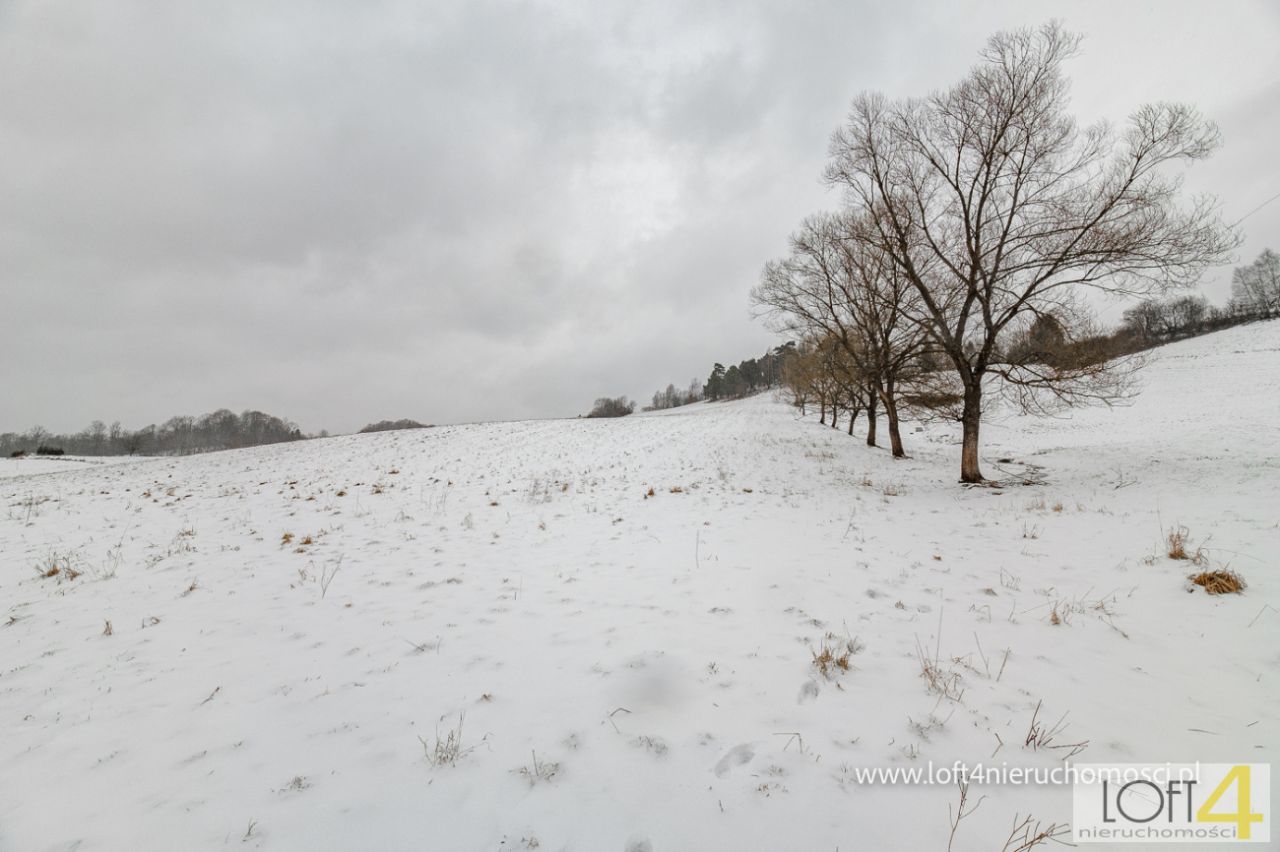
656,653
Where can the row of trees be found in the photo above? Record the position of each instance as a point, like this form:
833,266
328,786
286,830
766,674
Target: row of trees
974,220
673,397
737,380
750,376
1255,295
219,430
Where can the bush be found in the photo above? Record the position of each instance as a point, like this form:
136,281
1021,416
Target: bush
617,407
391,425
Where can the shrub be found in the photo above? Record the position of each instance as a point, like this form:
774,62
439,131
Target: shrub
616,407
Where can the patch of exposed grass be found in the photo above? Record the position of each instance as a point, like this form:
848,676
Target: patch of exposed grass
1219,582
833,656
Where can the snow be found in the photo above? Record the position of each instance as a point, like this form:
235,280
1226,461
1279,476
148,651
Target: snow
28,465
654,653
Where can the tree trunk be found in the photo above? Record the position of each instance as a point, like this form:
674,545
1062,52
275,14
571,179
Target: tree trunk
972,421
835,416
871,419
891,412
853,418
822,412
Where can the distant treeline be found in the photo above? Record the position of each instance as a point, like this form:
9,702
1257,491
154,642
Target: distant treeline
746,377
737,380
218,430
392,425
1255,295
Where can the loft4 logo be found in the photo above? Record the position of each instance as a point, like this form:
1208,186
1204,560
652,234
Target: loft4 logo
1172,803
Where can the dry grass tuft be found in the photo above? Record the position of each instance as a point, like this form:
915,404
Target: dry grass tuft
676,489
540,771
1179,540
940,680
1220,582
286,538
832,658
448,750
1040,735
59,566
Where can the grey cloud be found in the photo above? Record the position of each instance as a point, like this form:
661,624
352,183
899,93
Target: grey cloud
453,211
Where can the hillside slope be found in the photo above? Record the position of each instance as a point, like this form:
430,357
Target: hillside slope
290,625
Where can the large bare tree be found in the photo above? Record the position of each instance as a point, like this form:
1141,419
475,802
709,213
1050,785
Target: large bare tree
997,207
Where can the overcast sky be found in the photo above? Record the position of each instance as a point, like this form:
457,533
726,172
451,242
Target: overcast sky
342,212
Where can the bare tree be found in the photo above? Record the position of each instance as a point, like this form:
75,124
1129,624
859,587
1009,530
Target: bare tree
838,286
1255,289
996,206
97,435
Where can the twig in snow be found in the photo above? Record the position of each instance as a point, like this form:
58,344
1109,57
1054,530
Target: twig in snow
792,737
1265,607
985,664
1007,651
960,812
613,713
327,574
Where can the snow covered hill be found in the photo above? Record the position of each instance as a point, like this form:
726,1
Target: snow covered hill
601,635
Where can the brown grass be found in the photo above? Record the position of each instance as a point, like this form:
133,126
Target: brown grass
827,663
1179,540
832,657
1220,582
286,538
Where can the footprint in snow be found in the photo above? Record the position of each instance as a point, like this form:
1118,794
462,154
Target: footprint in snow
734,757
808,692
639,844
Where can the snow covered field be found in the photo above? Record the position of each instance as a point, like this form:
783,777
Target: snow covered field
295,631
